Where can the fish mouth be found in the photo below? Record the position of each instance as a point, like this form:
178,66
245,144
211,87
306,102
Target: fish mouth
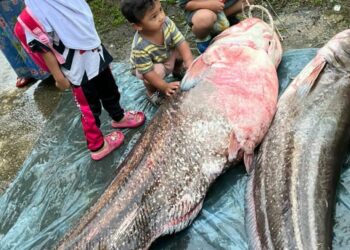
179,223
187,217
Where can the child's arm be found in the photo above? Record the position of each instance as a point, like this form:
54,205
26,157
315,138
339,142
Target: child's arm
186,54
213,5
156,81
51,62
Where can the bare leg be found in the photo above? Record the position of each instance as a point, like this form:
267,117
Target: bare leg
159,68
179,70
203,21
149,88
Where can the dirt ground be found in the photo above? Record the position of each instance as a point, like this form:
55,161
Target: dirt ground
300,27
25,111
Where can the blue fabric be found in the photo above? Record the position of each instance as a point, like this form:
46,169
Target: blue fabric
19,60
202,46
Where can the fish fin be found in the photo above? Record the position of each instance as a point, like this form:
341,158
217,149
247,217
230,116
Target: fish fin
248,162
194,73
308,76
233,148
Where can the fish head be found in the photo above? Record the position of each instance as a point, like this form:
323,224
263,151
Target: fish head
337,51
254,33
225,48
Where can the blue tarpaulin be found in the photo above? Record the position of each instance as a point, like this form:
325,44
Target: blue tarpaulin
58,182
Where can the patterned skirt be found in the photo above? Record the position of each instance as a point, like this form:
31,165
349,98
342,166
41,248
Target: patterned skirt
19,60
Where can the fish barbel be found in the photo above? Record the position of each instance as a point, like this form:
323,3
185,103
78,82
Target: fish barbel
161,185
291,192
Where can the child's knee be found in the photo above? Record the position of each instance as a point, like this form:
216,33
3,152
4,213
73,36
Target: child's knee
160,70
203,19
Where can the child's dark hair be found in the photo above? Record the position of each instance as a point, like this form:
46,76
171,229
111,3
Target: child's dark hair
135,10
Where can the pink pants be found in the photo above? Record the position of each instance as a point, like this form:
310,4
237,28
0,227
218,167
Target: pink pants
163,69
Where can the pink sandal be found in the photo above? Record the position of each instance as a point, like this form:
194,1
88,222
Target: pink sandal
22,81
112,142
132,119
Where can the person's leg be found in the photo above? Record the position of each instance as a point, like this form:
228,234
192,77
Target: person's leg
25,68
107,91
90,108
221,24
159,68
14,58
174,65
109,95
149,88
202,23
153,95
169,65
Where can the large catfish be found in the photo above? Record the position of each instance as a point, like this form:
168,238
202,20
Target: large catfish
161,185
291,193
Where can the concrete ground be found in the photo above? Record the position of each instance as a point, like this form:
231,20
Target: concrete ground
23,115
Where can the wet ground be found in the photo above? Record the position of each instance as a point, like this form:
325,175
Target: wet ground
24,112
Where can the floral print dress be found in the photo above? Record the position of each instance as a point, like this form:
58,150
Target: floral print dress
20,61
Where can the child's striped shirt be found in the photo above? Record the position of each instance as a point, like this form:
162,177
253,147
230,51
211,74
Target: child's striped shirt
145,53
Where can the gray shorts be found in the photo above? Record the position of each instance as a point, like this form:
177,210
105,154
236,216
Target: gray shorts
189,14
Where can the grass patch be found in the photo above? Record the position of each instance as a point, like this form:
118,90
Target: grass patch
106,14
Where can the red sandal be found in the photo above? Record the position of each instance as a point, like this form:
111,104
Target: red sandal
131,119
22,81
112,141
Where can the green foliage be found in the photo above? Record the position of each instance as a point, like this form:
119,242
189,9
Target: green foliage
106,14
169,1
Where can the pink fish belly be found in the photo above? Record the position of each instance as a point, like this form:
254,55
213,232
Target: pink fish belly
246,90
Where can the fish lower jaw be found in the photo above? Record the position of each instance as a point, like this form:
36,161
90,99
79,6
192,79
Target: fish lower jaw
179,223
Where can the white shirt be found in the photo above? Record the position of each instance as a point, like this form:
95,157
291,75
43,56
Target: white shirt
80,65
72,21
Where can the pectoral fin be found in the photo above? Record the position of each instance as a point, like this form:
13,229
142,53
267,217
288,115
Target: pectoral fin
194,74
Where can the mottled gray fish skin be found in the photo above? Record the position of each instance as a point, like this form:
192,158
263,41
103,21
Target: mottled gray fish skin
291,193
162,184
